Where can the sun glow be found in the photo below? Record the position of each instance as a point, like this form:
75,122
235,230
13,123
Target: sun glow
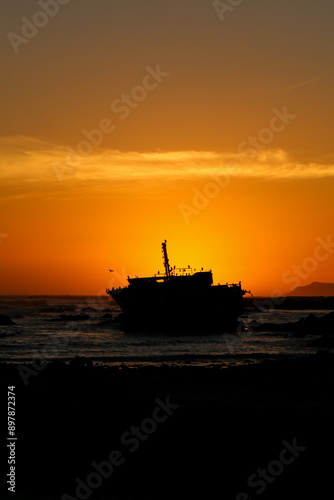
124,126
244,220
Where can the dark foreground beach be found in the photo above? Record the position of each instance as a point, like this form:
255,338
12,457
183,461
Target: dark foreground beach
247,432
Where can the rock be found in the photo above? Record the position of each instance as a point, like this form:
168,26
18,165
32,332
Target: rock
5,320
324,341
107,316
311,325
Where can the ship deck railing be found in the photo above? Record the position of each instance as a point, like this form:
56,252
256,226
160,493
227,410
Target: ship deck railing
231,285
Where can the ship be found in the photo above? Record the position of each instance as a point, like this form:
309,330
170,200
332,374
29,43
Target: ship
181,300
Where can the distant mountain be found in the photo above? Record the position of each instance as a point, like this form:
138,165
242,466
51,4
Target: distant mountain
315,289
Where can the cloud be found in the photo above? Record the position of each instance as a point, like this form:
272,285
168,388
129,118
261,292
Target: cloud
302,84
29,161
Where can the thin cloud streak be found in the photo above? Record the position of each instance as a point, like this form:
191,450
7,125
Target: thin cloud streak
303,84
27,160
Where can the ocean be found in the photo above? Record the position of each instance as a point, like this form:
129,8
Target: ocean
189,415
65,327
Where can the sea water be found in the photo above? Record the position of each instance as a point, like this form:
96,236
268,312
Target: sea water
48,327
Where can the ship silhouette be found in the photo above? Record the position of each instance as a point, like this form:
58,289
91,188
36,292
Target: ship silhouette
181,300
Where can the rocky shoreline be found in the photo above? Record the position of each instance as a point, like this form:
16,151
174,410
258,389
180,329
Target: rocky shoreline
322,327
215,428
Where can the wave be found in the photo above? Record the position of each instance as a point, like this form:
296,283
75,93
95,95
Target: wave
170,359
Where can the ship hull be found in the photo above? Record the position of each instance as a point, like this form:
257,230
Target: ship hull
164,307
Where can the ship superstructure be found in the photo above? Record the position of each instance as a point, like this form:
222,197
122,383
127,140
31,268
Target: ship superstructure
180,300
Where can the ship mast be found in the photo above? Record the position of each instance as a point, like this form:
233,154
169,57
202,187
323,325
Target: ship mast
166,261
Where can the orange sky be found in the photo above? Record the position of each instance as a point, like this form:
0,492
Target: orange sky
127,123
